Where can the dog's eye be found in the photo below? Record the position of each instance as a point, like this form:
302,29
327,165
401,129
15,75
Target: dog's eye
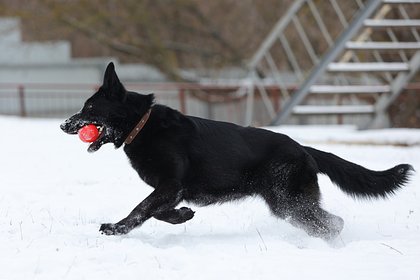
89,106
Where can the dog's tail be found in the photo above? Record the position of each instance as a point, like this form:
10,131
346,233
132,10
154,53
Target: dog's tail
358,181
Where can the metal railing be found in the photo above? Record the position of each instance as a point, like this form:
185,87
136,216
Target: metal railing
374,43
213,101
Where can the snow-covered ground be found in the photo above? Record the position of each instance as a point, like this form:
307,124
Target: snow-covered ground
54,196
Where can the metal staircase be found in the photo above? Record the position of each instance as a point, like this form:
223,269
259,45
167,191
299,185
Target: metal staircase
348,73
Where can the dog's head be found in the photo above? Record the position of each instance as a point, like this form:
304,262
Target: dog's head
112,109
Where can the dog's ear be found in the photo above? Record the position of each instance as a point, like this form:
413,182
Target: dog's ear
112,84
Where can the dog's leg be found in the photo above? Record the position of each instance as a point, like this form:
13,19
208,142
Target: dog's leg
306,212
175,216
307,215
293,194
317,222
162,199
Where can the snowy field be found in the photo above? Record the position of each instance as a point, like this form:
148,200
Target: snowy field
54,196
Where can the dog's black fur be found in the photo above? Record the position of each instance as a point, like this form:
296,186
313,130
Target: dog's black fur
202,161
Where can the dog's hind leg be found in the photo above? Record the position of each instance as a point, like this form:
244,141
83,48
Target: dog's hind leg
306,213
175,216
316,221
294,195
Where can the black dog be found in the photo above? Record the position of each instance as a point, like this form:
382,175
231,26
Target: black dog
196,160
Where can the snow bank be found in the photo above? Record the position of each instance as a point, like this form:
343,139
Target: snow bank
54,196
350,135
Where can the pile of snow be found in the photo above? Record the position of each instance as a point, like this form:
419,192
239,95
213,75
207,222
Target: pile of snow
54,196
350,135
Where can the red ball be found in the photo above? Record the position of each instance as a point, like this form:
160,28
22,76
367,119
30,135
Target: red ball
88,133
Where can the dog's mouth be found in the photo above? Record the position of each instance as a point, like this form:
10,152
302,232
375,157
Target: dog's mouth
105,134
95,145
100,128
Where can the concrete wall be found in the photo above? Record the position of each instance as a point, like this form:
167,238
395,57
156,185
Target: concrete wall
42,79
14,51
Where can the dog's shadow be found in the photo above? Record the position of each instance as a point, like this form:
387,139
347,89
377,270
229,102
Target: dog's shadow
251,239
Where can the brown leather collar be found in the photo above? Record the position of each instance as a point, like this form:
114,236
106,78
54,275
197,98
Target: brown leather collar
138,127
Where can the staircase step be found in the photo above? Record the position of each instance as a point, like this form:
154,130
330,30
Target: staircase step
401,1
332,109
383,45
383,23
368,67
325,89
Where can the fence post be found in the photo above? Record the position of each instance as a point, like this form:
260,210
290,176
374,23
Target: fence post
276,96
182,100
22,106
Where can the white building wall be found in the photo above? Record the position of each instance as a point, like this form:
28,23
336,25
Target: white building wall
42,79
14,51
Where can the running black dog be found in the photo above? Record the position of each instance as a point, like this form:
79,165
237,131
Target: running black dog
202,161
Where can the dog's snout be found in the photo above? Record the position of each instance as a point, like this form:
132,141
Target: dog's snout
63,126
66,125
69,126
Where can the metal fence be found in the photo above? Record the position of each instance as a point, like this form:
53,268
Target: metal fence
213,101
220,102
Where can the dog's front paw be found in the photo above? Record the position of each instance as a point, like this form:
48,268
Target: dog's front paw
113,229
186,213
